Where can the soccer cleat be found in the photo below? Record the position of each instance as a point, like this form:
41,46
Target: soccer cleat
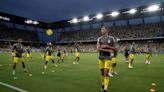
13,73
130,66
45,67
74,62
110,75
24,70
115,73
146,62
105,90
15,78
55,65
102,88
149,62
77,62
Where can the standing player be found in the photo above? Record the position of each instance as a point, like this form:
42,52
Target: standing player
59,54
131,56
114,64
77,53
126,53
49,55
105,46
148,55
28,50
18,50
65,54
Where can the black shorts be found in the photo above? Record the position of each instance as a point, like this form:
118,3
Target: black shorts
59,54
126,55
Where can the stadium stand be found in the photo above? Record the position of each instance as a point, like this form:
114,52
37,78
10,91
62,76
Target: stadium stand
9,34
122,32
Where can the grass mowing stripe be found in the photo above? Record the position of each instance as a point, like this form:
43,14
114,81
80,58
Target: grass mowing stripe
12,87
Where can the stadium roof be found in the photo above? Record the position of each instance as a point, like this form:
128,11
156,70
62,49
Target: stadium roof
56,10
41,12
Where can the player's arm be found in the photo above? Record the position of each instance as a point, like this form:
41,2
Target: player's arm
98,45
99,48
106,50
110,47
53,52
14,48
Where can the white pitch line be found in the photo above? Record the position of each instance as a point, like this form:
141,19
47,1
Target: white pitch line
12,87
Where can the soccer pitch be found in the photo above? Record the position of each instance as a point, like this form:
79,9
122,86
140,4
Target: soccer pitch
83,77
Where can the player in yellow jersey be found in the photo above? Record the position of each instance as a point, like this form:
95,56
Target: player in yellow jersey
148,55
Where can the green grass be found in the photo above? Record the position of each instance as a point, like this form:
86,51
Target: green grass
84,77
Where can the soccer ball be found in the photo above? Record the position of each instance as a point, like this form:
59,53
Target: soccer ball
49,32
53,71
43,73
30,75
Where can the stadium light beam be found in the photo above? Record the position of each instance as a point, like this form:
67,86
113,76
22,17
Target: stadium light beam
99,16
115,14
132,11
153,8
35,22
28,21
86,18
75,20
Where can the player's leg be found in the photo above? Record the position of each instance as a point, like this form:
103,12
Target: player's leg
101,66
114,68
111,70
146,58
14,68
62,58
15,60
107,65
23,64
24,67
78,59
45,64
75,60
53,61
126,58
131,59
47,58
149,59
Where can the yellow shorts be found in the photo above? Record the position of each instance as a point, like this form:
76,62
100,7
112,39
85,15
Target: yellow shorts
147,56
29,55
77,54
131,56
17,59
23,55
13,54
65,55
114,60
49,58
104,64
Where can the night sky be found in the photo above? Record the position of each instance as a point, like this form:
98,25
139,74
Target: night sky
56,10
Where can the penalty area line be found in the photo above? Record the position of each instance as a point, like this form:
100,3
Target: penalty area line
12,87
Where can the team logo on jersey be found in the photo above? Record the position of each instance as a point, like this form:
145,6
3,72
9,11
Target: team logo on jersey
109,41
